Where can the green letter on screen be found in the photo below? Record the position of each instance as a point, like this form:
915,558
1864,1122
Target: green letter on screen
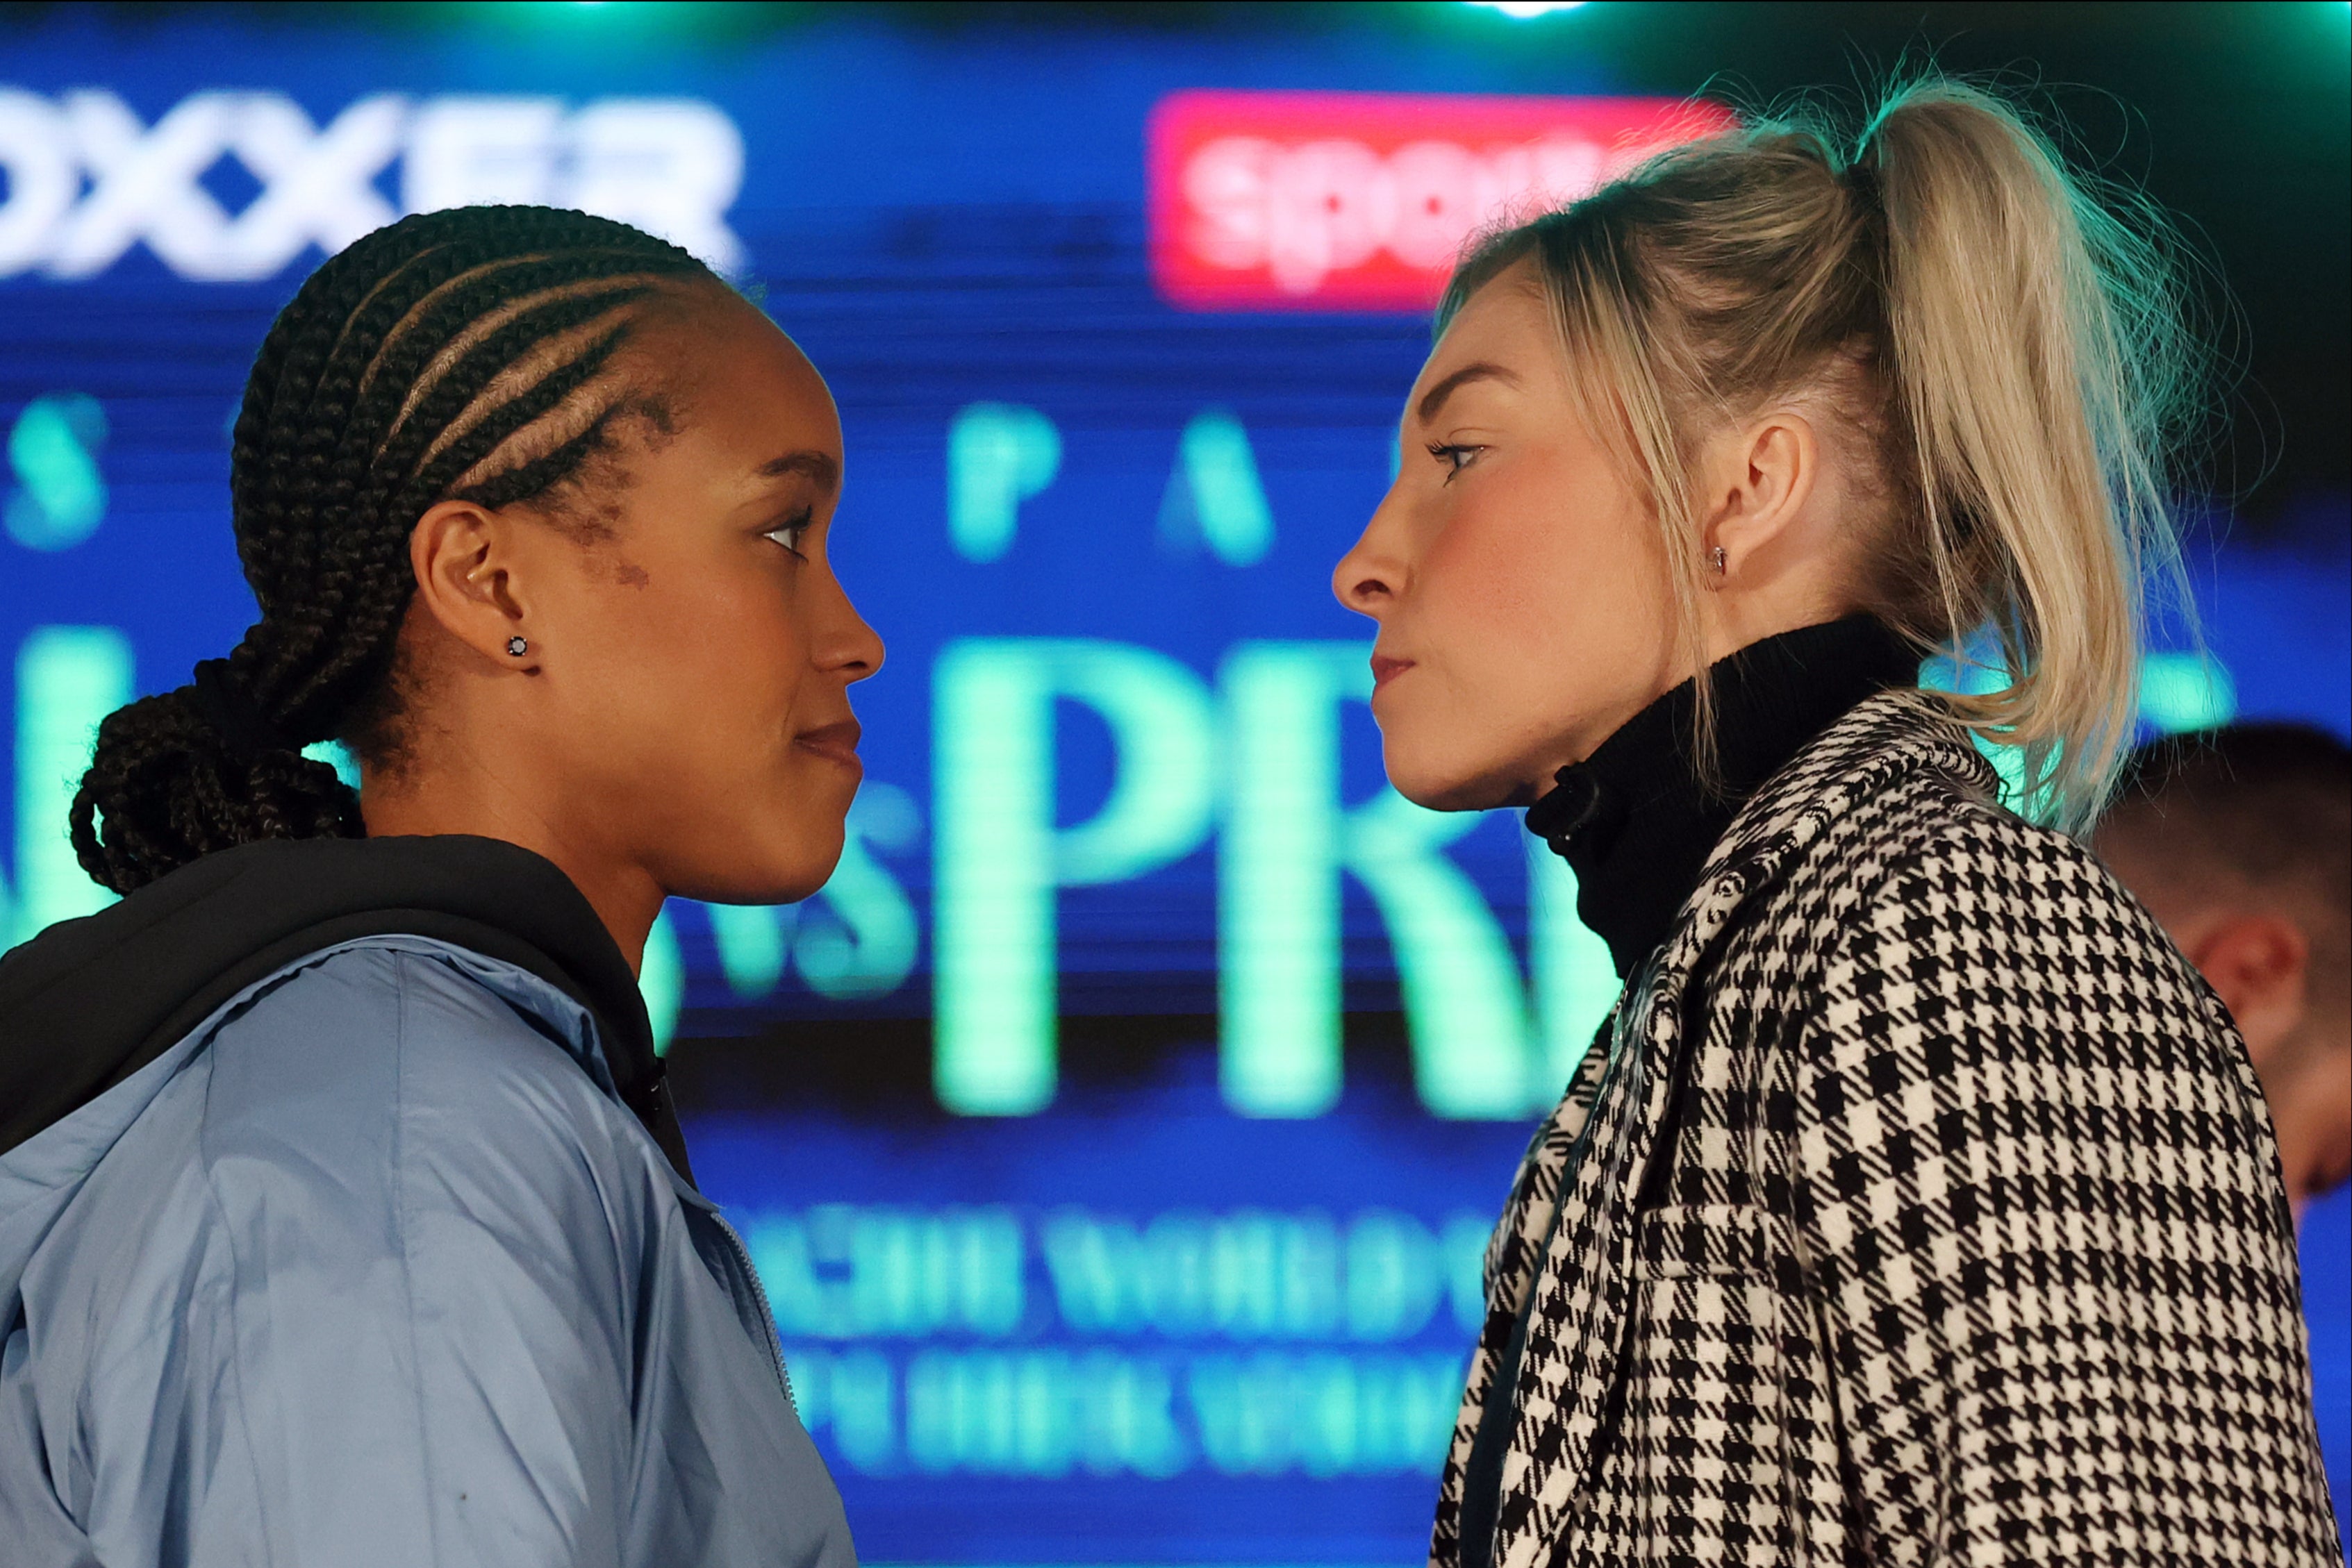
867,948
1287,842
1576,981
1464,1004
858,941
1278,875
661,981
1213,497
60,497
999,455
999,857
68,679
2186,691
750,941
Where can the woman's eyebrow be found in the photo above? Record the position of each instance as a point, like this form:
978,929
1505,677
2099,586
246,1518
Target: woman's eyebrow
820,467
1477,370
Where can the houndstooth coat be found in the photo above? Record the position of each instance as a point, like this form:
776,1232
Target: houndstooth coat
1929,1215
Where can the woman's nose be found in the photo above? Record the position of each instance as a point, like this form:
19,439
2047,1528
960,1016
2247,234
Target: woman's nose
850,642
1364,581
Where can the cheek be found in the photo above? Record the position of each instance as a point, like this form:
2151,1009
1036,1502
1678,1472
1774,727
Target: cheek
709,660
1499,566
1542,575
1539,611
698,697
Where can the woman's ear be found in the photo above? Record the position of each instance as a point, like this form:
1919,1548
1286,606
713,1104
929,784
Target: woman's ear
1758,476
468,580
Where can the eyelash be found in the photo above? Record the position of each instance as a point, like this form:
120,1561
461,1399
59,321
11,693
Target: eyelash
794,527
1456,457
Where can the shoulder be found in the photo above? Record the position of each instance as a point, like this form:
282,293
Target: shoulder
1989,962
1898,855
1954,889
1892,894
384,1073
372,1129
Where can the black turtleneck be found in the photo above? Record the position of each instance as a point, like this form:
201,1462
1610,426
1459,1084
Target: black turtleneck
1637,825
1634,820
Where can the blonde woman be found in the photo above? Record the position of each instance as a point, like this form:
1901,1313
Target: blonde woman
1918,1203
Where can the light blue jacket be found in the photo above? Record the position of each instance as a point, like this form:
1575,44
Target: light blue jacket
373,1268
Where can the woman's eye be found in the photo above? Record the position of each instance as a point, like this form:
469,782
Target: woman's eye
790,535
1454,455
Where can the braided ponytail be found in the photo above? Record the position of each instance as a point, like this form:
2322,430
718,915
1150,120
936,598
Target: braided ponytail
463,354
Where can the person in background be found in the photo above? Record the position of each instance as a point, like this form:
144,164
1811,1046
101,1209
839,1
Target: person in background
2239,840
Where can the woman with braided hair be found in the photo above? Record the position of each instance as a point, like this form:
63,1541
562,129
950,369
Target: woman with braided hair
1917,1204
343,1215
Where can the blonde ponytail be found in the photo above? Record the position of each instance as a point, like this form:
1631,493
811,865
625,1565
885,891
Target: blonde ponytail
2002,348
2041,369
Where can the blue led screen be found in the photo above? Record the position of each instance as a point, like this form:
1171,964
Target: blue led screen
1152,1248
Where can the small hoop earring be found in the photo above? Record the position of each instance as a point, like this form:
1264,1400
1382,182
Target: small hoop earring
518,647
1717,559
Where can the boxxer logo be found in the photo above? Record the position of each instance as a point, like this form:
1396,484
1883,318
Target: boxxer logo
86,179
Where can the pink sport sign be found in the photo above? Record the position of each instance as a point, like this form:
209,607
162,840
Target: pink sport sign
1347,200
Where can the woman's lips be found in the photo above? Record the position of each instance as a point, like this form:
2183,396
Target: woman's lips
1385,669
834,742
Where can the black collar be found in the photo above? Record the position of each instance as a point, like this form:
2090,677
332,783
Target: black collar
89,1002
1633,820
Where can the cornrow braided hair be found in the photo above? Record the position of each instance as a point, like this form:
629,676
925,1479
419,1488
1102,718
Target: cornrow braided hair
465,354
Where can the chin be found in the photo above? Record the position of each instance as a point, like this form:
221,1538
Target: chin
799,876
1433,776
753,866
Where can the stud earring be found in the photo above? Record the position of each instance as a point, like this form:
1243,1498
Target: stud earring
518,647
1717,559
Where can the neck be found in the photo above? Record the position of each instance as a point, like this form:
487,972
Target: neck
1637,819
424,799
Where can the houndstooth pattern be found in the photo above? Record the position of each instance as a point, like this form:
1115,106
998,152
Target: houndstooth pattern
1928,1214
